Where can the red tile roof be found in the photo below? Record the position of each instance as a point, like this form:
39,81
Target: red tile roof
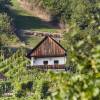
48,47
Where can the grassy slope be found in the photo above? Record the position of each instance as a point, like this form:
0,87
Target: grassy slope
25,20
32,41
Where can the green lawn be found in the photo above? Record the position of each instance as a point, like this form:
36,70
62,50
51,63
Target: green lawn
33,41
24,20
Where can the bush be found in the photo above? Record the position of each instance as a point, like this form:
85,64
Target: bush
45,90
6,24
27,86
20,93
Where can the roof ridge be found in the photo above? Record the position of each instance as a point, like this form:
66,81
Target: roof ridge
41,50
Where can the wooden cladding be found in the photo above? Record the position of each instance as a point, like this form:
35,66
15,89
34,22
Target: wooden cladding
48,47
48,66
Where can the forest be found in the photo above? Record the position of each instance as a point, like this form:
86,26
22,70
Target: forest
79,23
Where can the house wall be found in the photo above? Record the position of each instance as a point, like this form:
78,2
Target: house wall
39,61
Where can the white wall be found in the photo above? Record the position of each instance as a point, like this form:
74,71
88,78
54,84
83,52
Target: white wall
39,61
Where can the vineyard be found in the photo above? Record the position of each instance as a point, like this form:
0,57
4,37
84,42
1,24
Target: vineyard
33,84
81,39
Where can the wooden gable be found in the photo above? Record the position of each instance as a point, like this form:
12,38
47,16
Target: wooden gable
48,47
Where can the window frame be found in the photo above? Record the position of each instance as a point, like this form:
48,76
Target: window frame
45,62
56,62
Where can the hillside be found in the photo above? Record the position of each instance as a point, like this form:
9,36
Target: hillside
27,21
21,28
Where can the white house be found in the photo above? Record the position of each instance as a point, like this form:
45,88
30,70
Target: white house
48,53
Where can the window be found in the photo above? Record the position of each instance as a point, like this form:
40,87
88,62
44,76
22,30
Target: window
56,62
33,61
45,62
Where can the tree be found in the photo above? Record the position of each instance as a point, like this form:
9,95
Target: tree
83,35
3,4
6,24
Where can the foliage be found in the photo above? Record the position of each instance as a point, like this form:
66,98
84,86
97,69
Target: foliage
6,24
82,42
32,84
7,39
7,28
5,87
67,10
3,5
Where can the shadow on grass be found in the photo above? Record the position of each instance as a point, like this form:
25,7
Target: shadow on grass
30,22
24,20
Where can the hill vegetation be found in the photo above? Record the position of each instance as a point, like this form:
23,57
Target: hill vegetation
33,84
7,28
81,38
